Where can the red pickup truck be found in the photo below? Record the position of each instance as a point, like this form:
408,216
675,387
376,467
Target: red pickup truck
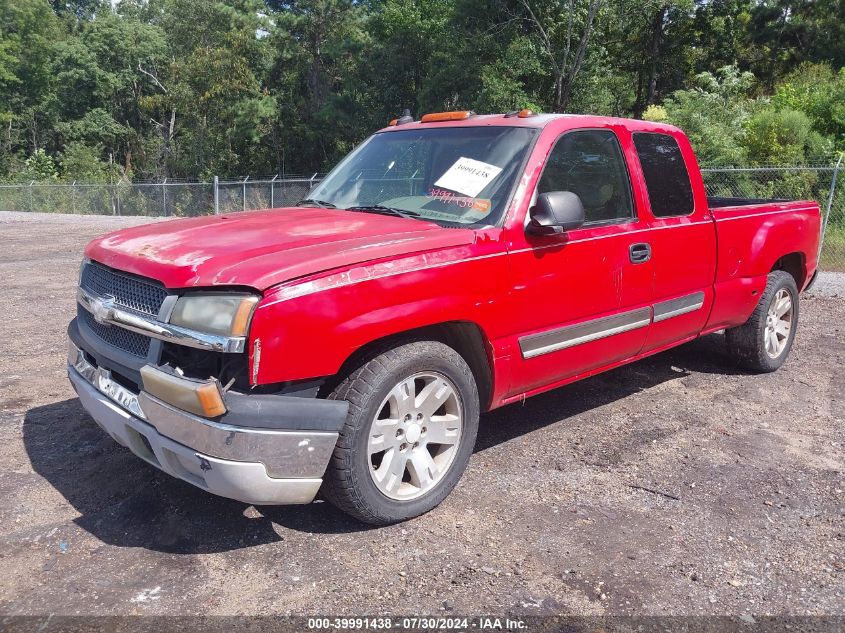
446,267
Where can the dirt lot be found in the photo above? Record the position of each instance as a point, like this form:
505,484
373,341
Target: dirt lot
546,520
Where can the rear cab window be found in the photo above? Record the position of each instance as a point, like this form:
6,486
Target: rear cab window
666,177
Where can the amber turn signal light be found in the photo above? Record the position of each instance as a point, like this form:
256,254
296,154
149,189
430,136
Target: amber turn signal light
210,401
200,397
240,322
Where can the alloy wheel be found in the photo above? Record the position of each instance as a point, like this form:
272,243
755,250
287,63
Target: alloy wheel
778,323
414,436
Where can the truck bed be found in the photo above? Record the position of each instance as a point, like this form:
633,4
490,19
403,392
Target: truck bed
755,237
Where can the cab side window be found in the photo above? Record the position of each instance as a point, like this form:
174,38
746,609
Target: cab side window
590,164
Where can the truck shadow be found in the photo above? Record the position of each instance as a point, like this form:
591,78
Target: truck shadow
706,355
125,502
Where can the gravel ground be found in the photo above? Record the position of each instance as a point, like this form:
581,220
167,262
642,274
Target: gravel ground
676,485
829,285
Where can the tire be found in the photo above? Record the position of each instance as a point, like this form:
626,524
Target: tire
751,344
364,482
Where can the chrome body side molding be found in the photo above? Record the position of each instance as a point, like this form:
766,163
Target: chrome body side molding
595,329
571,335
676,307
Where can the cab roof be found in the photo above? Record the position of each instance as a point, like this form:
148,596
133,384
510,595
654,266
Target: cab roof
538,121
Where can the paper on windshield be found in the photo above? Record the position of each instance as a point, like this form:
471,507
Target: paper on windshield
468,176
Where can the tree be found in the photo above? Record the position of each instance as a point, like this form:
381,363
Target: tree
819,92
83,163
316,81
29,32
782,137
210,89
714,114
564,42
129,52
408,42
194,88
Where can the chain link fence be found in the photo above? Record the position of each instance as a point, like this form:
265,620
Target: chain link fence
226,196
246,194
159,199
822,184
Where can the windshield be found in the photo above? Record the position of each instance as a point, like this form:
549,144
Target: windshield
454,175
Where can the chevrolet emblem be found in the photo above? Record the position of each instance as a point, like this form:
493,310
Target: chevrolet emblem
102,309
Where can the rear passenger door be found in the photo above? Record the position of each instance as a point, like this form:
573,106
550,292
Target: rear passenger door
681,239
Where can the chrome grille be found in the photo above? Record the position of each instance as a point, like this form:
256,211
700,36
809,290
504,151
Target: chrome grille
130,342
128,291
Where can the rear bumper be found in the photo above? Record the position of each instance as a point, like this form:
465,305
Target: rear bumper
254,465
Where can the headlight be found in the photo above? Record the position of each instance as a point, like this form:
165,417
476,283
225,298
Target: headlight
224,314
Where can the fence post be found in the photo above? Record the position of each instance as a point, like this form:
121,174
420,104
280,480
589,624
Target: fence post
244,196
829,206
164,197
272,192
30,196
216,196
73,197
311,184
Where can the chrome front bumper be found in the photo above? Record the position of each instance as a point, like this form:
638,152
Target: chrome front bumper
253,465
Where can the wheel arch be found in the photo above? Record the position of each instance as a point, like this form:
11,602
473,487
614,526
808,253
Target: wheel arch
465,337
795,265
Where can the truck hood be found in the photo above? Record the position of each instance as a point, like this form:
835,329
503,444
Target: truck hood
262,248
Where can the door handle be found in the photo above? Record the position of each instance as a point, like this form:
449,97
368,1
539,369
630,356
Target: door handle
639,253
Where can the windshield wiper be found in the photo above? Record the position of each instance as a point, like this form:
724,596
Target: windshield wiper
378,208
316,203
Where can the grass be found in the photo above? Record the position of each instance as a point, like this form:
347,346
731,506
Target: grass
833,251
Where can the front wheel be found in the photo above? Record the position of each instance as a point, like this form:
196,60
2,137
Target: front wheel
410,431
763,342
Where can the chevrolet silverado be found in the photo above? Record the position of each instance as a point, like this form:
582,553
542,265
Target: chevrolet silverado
446,267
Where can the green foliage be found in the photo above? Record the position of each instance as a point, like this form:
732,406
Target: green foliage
656,113
819,92
29,32
502,86
402,69
320,94
40,166
777,137
145,89
728,127
713,113
82,163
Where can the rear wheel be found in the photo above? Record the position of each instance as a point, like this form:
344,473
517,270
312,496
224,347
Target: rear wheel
763,342
410,431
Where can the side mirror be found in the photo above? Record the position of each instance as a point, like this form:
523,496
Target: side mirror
555,212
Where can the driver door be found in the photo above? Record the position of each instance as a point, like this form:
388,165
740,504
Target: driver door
582,299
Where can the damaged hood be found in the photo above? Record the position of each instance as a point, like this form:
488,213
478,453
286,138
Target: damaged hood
260,249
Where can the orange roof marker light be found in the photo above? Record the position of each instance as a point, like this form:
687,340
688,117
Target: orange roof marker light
457,115
522,114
